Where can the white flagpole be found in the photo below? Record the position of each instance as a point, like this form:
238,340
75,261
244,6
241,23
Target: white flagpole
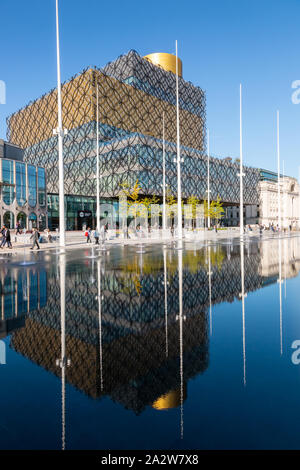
241,171
208,181
164,177
283,198
98,164
179,208
278,168
60,132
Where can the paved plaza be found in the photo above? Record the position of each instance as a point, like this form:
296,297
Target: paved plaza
77,239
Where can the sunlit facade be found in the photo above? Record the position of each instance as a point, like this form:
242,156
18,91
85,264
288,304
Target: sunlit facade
266,211
22,190
133,95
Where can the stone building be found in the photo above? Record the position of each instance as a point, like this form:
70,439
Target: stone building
23,196
268,200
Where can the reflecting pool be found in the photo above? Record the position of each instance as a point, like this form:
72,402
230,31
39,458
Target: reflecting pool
152,347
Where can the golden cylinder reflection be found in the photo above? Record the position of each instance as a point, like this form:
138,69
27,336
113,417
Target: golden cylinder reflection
169,400
166,61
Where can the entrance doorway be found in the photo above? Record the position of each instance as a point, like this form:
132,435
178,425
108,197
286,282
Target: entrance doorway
85,218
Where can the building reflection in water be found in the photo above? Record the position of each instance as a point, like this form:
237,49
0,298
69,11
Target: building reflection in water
22,290
140,333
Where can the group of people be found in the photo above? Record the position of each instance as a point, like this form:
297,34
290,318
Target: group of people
96,234
34,237
6,239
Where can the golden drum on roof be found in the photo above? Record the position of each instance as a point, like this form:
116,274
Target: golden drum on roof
166,61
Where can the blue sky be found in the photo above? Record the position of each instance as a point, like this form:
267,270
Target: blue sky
221,43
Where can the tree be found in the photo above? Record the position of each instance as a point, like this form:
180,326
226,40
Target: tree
170,199
148,201
193,201
133,195
216,209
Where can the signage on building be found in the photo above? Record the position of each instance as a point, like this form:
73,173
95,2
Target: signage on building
83,214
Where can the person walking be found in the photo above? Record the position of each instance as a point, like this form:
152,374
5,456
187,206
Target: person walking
3,240
88,238
7,239
18,227
35,239
96,236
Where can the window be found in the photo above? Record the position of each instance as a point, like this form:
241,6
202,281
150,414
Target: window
42,222
41,187
21,217
21,183
8,180
32,221
9,220
31,173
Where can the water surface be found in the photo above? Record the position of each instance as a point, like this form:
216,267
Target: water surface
166,349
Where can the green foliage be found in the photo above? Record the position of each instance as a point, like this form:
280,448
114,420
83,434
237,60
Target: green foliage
216,209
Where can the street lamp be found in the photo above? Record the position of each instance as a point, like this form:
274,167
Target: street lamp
179,208
241,174
278,169
164,176
60,132
98,164
208,182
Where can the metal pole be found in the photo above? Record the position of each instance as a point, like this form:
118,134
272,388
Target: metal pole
243,295
181,318
166,300
60,133
98,163
63,361
278,169
179,208
208,181
241,171
100,323
164,177
209,288
283,198
279,280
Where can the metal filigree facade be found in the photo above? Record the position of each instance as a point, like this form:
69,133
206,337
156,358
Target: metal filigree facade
133,95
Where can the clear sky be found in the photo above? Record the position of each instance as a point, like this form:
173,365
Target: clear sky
221,43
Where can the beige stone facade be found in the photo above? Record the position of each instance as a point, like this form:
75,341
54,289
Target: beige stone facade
289,202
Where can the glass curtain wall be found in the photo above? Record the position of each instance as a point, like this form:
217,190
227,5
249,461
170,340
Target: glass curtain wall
8,180
32,193
21,183
41,187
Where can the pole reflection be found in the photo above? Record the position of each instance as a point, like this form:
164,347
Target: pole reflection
243,295
122,334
